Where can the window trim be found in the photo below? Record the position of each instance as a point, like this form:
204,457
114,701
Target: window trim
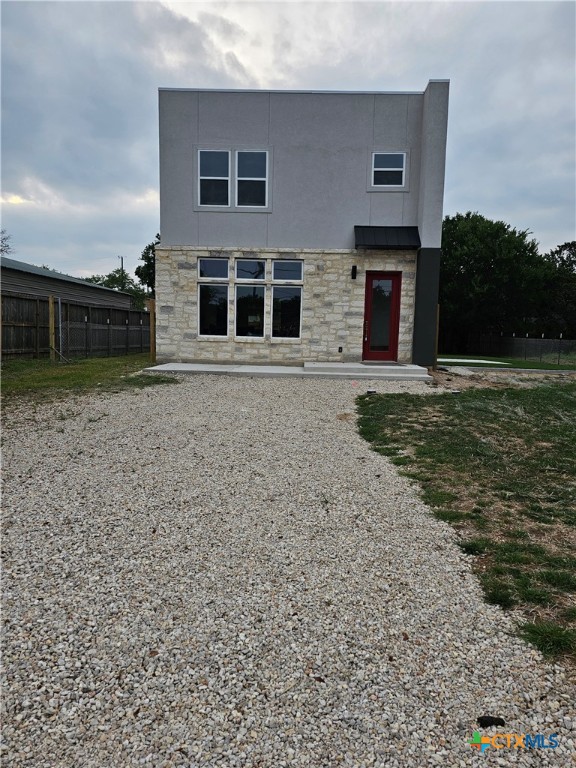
228,178
238,178
211,336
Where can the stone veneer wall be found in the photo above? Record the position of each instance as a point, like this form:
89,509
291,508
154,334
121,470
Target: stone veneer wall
332,307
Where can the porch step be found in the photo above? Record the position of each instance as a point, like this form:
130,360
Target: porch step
397,371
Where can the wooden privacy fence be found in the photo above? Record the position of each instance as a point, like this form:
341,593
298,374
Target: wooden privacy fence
39,327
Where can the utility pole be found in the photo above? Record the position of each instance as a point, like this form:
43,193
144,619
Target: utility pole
122,274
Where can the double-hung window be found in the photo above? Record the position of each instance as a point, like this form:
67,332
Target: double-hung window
251,179
233,179
214,177
388,169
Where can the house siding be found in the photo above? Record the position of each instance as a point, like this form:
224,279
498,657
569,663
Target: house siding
332,315
320,145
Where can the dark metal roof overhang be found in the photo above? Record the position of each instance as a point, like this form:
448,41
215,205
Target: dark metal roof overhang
387,238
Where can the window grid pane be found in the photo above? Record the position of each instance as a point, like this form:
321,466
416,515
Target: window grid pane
250,269
388,178
286,306
252,165
250,310
389,162
287,270
213,310
214,164
214,268
213,192
251,193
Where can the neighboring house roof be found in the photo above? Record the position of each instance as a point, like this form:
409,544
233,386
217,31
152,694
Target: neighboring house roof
21,278
21,266
387,238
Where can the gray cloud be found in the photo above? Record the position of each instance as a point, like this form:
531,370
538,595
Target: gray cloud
224,29
79,103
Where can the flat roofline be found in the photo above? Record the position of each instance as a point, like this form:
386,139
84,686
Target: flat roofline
335,92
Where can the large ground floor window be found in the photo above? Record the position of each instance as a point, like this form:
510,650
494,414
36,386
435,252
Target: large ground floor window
286,312
250,310
213,314
265,300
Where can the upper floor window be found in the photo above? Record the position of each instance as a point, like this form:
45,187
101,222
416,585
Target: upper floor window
251,179
214,177
388,169
229,178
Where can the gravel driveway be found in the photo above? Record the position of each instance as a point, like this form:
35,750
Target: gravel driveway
221,573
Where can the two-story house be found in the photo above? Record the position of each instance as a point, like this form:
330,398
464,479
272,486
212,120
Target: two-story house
300,226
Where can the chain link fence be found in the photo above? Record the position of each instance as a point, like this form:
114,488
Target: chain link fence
554,351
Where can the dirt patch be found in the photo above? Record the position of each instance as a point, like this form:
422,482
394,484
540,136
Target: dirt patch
468,378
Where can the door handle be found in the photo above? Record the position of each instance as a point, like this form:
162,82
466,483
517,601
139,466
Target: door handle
365,330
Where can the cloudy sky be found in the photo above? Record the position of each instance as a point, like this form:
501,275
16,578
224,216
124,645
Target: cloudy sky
79,104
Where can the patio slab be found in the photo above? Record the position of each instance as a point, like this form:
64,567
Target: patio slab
389,371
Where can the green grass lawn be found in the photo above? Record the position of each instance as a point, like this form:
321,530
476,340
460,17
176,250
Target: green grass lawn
43,380
549,363
500,466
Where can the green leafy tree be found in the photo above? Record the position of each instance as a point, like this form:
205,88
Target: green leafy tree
560,291
120,280
491,280
146,272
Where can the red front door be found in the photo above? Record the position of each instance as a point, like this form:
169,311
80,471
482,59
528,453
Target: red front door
381,316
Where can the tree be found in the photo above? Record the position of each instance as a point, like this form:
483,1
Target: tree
564,257
490,280
146,272
120,280
5,247
560,291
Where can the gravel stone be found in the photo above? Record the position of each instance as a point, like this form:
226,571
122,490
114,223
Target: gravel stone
222,573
